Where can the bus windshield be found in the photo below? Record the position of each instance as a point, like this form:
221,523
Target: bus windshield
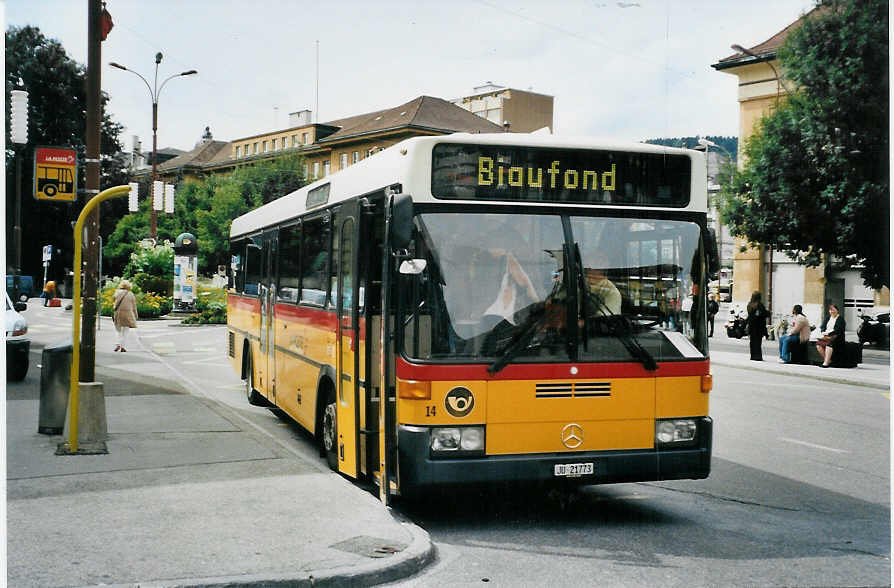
510,288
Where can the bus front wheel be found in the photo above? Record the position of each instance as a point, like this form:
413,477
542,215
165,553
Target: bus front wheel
49,190
329,437
254,397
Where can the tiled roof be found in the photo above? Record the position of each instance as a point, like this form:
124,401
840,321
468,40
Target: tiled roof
423,112
767,49
199,155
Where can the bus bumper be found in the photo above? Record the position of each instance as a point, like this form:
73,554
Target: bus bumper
418,468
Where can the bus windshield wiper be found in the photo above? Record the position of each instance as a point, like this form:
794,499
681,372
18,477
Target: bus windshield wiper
621,327
520,340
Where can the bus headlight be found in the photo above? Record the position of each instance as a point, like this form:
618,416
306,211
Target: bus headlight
462,440
675,432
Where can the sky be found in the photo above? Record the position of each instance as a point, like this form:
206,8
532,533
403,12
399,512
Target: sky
629,71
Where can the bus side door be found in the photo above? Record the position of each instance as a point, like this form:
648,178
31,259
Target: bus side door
348,344
267,296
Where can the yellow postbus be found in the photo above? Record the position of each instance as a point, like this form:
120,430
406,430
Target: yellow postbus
476,308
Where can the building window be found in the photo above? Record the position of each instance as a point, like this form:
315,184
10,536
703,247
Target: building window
305,138
256,147
294,140
238,151
326,168
344,161
273,148
316,170
355,157
284,142
265,146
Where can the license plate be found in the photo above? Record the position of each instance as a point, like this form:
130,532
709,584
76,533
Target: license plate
572,470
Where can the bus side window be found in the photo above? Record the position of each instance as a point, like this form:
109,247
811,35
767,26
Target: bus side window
315,261
289,276
253,265
237,266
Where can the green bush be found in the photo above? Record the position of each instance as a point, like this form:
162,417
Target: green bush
149,304
211,304
162,285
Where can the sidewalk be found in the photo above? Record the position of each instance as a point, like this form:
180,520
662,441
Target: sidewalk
192,493
874,372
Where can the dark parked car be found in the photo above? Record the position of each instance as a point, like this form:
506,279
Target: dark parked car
26,288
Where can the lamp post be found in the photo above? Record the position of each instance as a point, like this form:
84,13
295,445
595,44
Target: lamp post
707,144
18,135
154,91
779,81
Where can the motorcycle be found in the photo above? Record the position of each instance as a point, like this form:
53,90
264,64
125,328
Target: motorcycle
735,325
874,330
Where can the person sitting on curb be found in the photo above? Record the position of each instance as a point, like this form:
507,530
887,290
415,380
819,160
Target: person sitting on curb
832,336
798,333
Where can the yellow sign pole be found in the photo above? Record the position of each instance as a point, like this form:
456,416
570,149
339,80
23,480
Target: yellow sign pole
115,192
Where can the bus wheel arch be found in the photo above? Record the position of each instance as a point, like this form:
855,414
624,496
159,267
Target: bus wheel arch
327,420
253,396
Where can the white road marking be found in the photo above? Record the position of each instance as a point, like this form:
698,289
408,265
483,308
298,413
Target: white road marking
813,445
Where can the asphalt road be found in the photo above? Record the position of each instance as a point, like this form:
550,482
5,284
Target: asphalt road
798,496
799,493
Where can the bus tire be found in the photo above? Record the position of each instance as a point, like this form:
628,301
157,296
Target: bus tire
329,429
254,397
49,190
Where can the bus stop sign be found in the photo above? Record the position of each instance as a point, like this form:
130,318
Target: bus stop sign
55,173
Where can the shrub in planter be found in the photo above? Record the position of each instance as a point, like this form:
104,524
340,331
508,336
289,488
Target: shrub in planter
163,285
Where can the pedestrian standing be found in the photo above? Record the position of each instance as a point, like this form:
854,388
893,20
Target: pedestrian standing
125,314
713,309
756,323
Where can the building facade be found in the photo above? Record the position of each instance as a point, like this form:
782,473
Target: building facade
780,279
518,111
326,147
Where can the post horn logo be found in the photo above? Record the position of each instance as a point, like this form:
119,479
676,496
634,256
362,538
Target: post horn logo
572,435
459,402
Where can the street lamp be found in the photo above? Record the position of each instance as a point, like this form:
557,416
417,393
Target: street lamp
779,81
154,92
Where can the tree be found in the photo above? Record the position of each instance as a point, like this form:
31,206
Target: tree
816,180
57,106
207,207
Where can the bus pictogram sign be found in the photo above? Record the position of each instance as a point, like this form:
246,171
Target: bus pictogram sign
55,173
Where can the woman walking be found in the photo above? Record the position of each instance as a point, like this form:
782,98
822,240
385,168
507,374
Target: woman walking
757,325
125,315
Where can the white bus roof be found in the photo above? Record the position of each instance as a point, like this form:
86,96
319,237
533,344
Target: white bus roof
409,163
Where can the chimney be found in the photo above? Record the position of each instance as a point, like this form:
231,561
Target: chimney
299,118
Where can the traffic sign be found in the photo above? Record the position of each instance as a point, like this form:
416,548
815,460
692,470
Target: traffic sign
55,173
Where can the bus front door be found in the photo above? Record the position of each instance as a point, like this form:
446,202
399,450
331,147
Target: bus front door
267,294
348,346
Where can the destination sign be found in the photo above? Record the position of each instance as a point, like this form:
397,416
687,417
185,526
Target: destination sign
578,176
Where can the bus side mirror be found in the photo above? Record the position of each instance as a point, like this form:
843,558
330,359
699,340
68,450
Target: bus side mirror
412,267
401,221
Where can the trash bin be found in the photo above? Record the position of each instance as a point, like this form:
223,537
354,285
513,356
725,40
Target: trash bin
55,376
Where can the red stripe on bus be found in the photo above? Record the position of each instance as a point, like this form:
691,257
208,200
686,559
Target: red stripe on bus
244,303
548,371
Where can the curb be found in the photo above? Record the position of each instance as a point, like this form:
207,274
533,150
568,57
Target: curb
418,554
823,377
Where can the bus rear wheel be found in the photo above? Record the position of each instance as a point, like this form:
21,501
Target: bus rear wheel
329,433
